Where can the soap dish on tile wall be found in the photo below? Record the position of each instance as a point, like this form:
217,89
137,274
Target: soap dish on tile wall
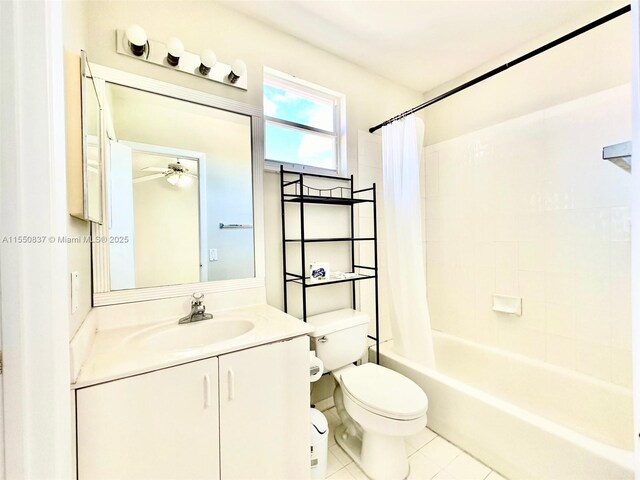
506,304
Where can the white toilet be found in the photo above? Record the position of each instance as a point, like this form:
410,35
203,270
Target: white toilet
378,407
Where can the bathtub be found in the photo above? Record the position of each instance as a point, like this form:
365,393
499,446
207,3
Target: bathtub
524,418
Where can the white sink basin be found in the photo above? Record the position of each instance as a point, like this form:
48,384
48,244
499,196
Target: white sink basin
132,348
195,335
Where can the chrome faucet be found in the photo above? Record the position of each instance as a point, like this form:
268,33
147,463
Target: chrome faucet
197,310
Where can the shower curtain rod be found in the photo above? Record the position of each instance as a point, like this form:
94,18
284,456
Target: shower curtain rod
502,68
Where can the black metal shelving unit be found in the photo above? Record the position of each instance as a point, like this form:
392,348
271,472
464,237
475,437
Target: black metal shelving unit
294,191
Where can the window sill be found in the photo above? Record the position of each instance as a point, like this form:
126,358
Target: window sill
274,167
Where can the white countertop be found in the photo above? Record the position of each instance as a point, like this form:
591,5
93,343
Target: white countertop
115,353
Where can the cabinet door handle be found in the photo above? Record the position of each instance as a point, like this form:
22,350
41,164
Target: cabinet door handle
207,391
231,381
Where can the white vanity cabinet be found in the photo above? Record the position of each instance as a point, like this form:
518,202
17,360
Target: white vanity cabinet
156,426
241,416
264,412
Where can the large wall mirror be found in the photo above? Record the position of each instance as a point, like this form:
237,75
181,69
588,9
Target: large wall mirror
183,192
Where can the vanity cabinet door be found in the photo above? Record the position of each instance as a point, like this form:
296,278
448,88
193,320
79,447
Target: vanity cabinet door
160,425
264,412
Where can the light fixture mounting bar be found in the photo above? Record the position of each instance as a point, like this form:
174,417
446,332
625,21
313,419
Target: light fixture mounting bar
156,53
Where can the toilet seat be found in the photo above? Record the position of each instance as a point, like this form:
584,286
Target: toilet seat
384,392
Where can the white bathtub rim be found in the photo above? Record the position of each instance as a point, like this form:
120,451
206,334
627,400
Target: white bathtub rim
531,362
618,456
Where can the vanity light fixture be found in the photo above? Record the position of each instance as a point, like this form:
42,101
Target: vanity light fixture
207,60
175,49
238,70
137,39
133,42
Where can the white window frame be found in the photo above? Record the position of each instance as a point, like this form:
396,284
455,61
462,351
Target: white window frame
339,112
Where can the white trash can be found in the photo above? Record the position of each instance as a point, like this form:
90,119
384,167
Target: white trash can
319,444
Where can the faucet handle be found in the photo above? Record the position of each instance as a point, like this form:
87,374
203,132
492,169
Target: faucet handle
197,298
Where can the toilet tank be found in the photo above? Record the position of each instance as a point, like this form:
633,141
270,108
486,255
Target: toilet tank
340,337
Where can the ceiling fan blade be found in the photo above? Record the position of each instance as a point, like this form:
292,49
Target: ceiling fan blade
154,169
146,178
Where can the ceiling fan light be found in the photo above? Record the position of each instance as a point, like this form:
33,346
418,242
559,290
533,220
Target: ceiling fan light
184,180
173,178
179,179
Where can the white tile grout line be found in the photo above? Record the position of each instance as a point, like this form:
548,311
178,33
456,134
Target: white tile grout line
491,470
418,449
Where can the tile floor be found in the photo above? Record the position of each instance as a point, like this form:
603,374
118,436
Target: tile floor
430,456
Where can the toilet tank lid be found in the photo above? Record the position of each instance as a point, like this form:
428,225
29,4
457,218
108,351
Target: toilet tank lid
330,322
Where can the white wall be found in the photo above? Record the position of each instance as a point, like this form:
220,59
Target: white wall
528,208
594,61
79,254
370,98
370,172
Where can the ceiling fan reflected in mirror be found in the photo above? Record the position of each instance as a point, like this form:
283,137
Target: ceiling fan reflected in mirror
175,173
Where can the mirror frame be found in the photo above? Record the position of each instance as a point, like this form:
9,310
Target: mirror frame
102,293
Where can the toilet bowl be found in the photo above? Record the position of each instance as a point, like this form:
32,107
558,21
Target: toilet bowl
381,408
378,407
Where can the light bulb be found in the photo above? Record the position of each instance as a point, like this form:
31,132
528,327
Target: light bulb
207,60
137,39
184,180
175,49
238,69
173,178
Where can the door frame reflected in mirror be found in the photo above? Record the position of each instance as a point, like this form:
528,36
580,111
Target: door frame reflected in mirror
201,159
102,293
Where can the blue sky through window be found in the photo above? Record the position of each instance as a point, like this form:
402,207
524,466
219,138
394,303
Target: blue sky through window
298,108
291,145
295,146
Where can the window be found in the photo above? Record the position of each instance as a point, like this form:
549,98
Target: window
303,124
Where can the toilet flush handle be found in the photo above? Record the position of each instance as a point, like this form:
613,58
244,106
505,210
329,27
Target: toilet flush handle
323,339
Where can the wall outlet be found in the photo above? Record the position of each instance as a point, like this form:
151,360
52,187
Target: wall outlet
75,291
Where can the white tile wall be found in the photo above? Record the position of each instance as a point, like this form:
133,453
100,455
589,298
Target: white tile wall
369,172
528,208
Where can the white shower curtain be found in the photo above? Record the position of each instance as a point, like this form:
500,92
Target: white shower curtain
410,323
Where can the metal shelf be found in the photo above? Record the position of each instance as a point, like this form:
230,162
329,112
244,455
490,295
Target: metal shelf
336,239
308,284
325,200
294,191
